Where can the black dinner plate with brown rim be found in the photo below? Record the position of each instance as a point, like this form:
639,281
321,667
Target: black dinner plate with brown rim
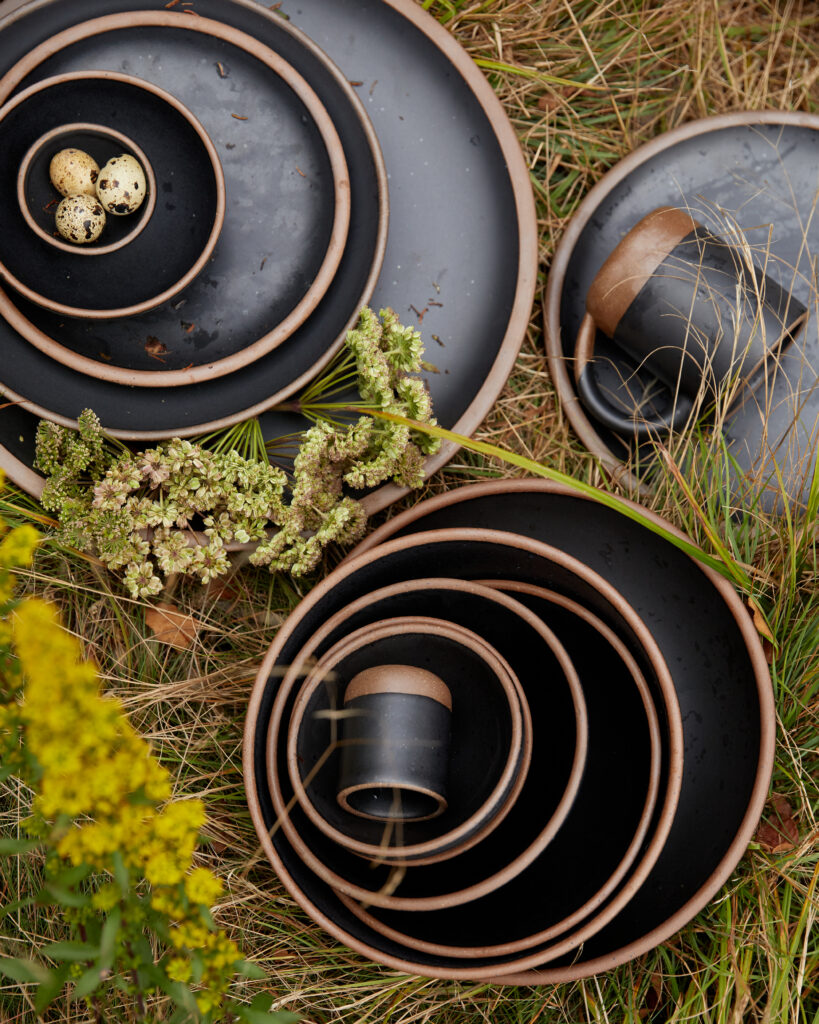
471,248
746,174
720,674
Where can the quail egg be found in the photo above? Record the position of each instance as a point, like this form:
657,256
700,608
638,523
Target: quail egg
80,219
73,173
121,185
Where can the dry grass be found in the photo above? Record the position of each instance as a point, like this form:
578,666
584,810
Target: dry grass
584,82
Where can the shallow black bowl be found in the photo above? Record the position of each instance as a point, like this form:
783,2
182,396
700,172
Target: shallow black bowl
571,869
177,240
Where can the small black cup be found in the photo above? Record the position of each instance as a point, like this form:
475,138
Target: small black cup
688,307
395,750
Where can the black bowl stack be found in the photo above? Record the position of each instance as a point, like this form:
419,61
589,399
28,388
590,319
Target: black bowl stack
651,713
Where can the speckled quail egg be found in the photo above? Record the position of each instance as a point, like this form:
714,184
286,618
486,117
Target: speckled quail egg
74,173
80,219
121,185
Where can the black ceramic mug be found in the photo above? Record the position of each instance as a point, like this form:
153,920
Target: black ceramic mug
395,751
689,307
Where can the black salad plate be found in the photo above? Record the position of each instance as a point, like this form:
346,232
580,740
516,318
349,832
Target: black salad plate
462,241
750,175
721,678
172,240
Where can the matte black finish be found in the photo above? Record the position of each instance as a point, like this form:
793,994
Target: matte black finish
42,197
458,246
539,672
710,664
602,780
170,243
396,756
763,176
481,734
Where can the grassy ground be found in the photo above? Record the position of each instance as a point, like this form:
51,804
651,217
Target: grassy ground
751,955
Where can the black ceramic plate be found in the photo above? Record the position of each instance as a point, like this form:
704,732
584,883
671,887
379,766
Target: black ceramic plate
174,239
462,224
753,170
475,554
722,683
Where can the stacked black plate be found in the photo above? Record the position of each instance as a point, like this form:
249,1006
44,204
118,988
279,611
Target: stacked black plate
441,219
585,870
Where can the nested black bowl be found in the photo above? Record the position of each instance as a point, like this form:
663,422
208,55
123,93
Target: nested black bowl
602,808
177,240
487,754
556,768
38,198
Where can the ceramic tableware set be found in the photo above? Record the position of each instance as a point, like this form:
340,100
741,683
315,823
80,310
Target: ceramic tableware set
295,173
486,745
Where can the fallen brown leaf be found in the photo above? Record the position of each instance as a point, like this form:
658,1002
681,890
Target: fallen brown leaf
778,832
171,626
154,347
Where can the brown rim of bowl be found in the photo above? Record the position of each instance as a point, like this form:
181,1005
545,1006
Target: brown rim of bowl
341,216
527,264
146,207
550,828
513,541
651,852
109,314
355,641
498,802
558,363
767,728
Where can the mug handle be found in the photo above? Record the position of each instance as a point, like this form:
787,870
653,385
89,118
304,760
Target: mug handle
592,397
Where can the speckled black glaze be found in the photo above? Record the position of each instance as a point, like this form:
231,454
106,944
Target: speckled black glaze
170,243
456,246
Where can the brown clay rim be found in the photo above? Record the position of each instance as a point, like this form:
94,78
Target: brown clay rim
767,726
6,459
362,638
674,749
550,828
218,220
406,679
497,804
583,426
520,313
128,145
338,235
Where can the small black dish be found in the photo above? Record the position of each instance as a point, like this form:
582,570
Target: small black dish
38,198
175,244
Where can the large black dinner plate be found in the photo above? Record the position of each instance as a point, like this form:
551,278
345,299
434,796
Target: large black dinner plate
752,174
462,223
722,682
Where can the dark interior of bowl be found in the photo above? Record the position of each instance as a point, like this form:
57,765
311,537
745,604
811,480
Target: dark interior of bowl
553,741
42,198
599,829
710,662
177,232
481,725
587,850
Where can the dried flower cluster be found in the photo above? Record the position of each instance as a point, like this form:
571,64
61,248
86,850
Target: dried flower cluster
174,508
102,814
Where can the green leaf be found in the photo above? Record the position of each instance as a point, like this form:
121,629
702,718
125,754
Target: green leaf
71,951
261,1002
251,1016
19,969
121,875
47,991
71,876
108,940
250,970
87,983
9,908
10,847
60,894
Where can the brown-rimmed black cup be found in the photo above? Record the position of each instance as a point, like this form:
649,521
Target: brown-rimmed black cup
490,750
38,197
560,748
591,643
691,308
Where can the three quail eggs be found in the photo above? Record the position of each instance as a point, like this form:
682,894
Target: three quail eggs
118,188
